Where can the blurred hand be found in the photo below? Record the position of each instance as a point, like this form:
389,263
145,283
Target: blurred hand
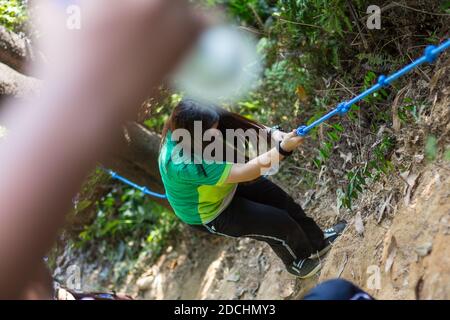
291,141
122,51
95,80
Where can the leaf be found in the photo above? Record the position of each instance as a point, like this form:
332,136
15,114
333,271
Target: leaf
396,115
110,227
342,265
83,204
361,179
317,163
329,146
383,208
346,157
389,251
410,180
338,127
350,190
301,93
333,136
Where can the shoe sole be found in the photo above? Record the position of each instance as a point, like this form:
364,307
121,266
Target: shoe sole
321,253
312,272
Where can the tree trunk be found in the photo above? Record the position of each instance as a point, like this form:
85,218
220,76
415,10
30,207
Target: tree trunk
15,84
137,160
14,49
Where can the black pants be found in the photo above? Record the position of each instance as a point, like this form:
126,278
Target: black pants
261,210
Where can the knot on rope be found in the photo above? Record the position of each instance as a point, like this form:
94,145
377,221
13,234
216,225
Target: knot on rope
382,81
301,131
144,190
343,108
430,56
113,174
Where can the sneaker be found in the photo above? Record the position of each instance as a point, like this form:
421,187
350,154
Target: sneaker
330,235
305,268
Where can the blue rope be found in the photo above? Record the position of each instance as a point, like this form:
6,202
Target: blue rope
430,55
144,190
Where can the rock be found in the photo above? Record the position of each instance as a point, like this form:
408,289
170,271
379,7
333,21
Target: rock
286,288
445,225
239,293
233,277
264,265
418,158
359,225
253,288
57,272
145,283
172,255
424,249
279,270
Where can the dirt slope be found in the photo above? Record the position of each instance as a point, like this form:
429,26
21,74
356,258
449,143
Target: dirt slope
407,257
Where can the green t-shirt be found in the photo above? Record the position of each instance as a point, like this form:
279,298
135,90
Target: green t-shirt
196,195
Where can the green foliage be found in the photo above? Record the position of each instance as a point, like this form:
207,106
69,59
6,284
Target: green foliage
369,80
379,61
277,98
447,154
373,59
333,135
431,148
160,112
247,12
358,177
13,14
410,110
445,6
330,16
131,221
282,80
306,43
316,28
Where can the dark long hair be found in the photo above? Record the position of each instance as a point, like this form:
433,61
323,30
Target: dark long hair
188,111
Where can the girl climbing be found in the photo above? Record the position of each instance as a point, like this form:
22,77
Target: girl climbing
232,198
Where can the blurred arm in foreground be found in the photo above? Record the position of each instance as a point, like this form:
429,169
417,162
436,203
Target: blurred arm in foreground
95,80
